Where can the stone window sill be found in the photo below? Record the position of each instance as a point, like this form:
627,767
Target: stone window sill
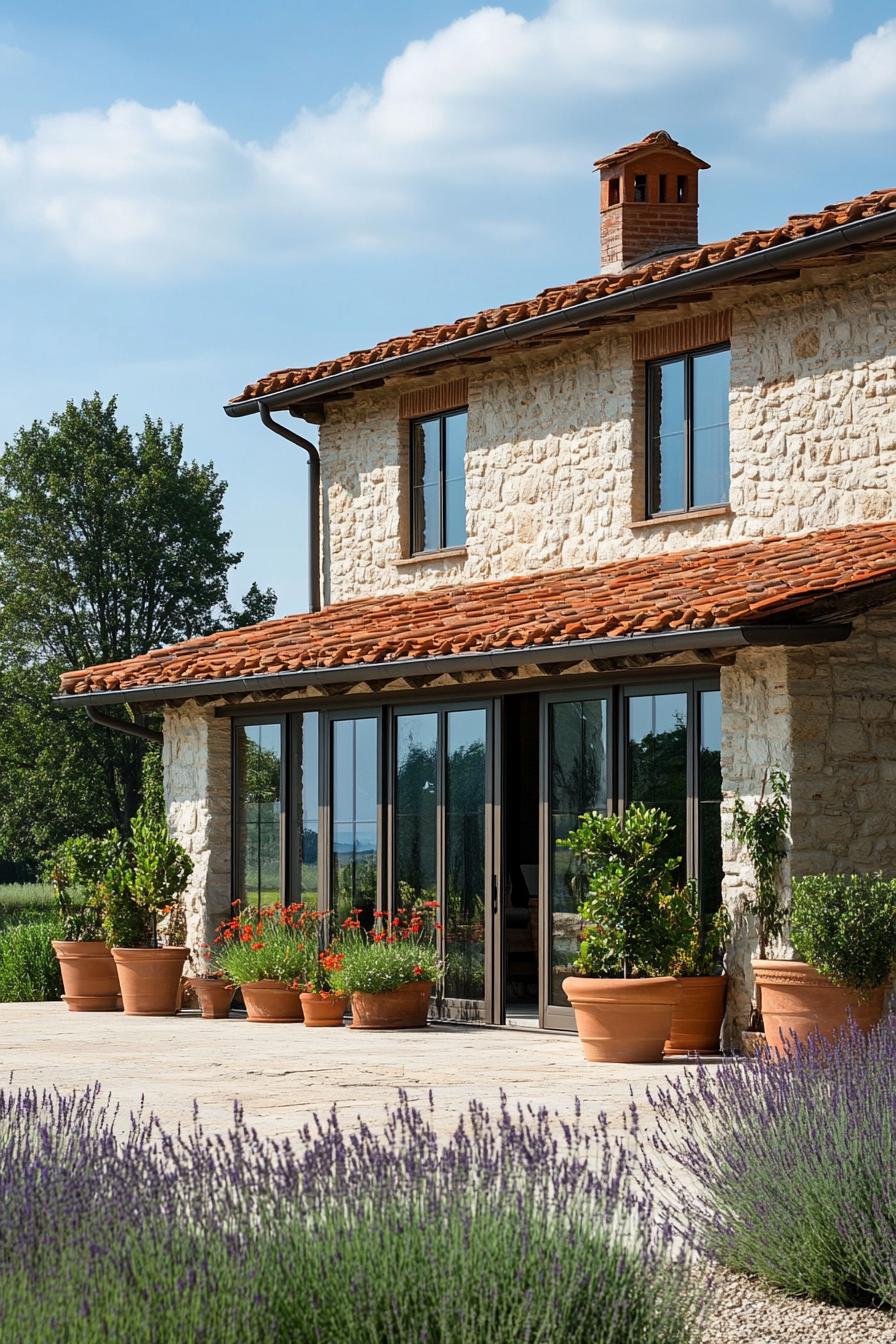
421,557
691,516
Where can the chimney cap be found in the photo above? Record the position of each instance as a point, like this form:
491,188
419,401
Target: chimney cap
656,140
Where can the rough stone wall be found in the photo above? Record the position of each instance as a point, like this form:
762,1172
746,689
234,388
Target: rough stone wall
826,715
555,447
196,761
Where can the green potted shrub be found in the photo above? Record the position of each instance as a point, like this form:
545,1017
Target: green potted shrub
700,968
843,931
89,976
635,919
270,954
390,971
144,918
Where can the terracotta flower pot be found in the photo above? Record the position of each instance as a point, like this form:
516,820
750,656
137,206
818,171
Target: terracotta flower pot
324,1010
697,1015
215,996
797,998
89,977
271,1001
406,1006
150,979
622,1021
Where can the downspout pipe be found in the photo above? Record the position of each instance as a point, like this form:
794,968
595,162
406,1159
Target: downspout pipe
119,726
314,502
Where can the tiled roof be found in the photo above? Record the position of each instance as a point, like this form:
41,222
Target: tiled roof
581,291
752,581
656,140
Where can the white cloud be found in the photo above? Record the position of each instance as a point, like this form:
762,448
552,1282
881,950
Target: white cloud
857,95
462,120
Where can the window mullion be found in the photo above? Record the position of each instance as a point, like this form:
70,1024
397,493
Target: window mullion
688,435
442,486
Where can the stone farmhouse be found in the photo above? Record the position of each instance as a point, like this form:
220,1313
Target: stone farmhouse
632,539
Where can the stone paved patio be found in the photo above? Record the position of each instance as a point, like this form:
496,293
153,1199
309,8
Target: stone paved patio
282,1074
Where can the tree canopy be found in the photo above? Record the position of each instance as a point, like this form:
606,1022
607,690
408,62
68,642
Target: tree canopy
111,543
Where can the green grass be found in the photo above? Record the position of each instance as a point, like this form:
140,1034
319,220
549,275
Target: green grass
25,900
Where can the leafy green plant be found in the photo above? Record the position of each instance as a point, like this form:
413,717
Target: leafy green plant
846,926
277,943
395,952
762,833
708,935
29,970
77,869
636,917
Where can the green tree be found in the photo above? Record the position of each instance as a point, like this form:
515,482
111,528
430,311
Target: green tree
111,544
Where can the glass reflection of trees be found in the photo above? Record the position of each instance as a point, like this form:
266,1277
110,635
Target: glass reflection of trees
259,812
578,783
464,914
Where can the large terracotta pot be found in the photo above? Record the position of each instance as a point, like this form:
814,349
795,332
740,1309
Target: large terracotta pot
406,1006
324,1010
272,1001
798,999
697,1015
622,1021
215,996
89,977
150,979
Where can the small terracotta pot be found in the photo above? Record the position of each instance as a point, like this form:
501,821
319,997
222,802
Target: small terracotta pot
215,996
394,1009
324,1010
89,977
697,1015
271,1001
150,979
798,999
622,1021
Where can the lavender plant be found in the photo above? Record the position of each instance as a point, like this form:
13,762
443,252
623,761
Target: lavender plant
785,1169
513,1230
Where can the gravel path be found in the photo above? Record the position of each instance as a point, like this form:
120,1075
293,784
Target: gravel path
748,1312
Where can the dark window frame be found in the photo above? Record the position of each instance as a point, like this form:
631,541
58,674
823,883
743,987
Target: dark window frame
687,358
416,546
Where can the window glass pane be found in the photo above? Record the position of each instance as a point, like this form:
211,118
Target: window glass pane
578,783
354,856
464,903
426,519
656,761
666,401
712,376
416,747
710,800
426,452
455,512
259,752
307,729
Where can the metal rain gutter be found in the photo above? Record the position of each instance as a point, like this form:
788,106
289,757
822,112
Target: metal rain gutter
119,726
592,310
619,646
313,499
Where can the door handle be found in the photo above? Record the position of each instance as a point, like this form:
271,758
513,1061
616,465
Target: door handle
494,894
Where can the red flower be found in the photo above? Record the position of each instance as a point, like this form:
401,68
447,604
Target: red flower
418,971
256,947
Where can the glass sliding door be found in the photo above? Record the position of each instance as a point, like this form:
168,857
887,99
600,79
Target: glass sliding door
306,774
441,851
656,764
465,855
354,853
578,780
258,813
709,809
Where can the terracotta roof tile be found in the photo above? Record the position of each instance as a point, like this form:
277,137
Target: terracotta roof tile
695,589
581,291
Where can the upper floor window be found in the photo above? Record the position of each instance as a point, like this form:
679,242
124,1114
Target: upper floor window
438,494
687,431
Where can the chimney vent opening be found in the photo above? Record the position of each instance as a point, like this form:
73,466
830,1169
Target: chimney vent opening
613,191
640,187
663,181
681,189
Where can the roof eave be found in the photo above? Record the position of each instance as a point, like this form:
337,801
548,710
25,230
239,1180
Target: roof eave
595,650
592,310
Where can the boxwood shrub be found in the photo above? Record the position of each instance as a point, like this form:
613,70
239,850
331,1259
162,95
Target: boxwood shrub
846,926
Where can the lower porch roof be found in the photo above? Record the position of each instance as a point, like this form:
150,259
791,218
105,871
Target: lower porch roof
772,591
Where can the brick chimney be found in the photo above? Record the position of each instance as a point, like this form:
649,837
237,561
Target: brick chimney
648,201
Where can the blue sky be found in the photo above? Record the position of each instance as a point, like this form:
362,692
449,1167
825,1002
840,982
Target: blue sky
192,194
